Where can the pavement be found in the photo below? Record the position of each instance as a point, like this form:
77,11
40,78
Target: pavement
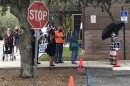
1,48
125,64
108,77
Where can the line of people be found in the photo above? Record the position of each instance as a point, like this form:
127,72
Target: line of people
54,39
55,46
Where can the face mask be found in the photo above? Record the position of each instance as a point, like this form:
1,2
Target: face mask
60,30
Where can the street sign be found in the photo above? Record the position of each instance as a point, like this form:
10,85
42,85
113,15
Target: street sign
117,44
42,48
93,18
37,15
124,16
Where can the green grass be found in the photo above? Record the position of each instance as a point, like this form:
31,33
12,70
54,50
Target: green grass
66,55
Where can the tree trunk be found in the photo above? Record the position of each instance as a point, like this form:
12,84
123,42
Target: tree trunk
20,11
26,50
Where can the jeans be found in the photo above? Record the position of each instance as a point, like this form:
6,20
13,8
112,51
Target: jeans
59,51
74,55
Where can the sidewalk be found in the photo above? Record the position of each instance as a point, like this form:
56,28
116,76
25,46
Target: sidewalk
125,64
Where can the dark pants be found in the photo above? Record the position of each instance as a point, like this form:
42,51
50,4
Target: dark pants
59,51
33,53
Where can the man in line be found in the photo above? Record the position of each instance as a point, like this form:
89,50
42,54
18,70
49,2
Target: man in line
59,38
33,47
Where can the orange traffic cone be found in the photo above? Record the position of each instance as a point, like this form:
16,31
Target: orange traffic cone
71,81
81,65
116,64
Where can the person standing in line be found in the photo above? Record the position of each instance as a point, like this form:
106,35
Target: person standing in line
8,42
16,36
59,38
33,47
114,38
51,47
74,47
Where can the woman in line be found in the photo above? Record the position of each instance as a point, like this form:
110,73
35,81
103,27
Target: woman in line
51,47
16,36
74,47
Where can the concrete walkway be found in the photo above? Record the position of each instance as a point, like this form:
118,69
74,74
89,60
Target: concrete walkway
125,64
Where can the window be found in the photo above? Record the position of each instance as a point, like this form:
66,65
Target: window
77,21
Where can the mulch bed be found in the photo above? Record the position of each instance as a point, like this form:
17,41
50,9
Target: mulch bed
45,77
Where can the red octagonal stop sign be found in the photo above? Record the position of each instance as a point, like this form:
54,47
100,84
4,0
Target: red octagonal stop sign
37,15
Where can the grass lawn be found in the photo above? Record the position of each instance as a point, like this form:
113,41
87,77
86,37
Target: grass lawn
66,55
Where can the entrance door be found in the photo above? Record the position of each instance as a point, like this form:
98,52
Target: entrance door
77,23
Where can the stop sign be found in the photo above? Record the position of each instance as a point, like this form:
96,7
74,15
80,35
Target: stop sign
37,15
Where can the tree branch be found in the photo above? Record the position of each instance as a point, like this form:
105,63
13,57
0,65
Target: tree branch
17,7
14,8
55,14
108,11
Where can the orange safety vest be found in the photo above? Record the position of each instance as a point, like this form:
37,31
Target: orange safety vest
59,39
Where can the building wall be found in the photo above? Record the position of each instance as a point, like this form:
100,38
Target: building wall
95,47
56,21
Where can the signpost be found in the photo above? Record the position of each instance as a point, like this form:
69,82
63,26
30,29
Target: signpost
93,18
117,45
37,17
124,18
42,47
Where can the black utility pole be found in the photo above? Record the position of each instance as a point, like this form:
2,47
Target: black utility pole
124,42
83,28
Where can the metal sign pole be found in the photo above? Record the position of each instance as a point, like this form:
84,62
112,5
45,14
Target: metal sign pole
124,18
37,20
35,61
124,43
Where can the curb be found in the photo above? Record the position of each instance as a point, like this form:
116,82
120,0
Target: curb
89,79
121,68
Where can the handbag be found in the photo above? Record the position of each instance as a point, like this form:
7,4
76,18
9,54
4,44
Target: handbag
74,45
